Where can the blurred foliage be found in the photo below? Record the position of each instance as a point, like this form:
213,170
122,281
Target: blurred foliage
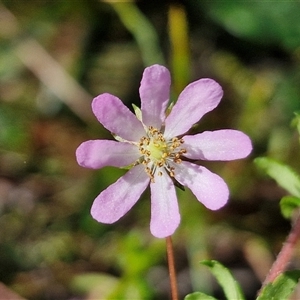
281,289
50,247
283,174
265,22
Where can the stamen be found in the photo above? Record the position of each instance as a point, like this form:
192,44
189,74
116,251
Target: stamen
157,152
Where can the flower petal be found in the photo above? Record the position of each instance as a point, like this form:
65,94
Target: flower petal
165,216
224,144
209,188
154,93
117,118
115,201
96,154
195,100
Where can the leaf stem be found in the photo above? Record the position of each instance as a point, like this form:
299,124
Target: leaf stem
285,254
172,272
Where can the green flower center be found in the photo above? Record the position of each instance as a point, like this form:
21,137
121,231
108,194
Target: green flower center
157,152
158,149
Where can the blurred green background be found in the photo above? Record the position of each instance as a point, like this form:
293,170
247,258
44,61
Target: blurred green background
55,56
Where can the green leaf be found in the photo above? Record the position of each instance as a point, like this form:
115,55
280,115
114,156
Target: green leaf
137,112
117,138
198,296
142,30
282,287
288,204
259,21
230,286
284,175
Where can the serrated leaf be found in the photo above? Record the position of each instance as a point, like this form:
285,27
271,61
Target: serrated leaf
198,296
231,288
284,175
288,204
282,287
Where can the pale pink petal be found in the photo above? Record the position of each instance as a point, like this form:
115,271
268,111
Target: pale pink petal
117,118
165,216
224,145
195,100
209,188
154,94
115,201
96,154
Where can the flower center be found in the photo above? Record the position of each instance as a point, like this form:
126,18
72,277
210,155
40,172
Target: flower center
157,152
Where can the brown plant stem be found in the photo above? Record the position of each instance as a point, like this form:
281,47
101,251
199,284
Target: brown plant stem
172,272
285,254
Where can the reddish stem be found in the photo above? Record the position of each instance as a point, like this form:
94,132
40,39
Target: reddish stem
172,272
285,254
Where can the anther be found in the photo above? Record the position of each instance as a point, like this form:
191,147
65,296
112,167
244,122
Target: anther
157,152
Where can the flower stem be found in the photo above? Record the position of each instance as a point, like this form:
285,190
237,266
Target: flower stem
285,254
172,272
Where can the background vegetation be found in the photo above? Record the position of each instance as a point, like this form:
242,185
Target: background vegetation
55,56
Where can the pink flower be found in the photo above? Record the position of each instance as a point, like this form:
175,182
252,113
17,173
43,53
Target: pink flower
154,147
